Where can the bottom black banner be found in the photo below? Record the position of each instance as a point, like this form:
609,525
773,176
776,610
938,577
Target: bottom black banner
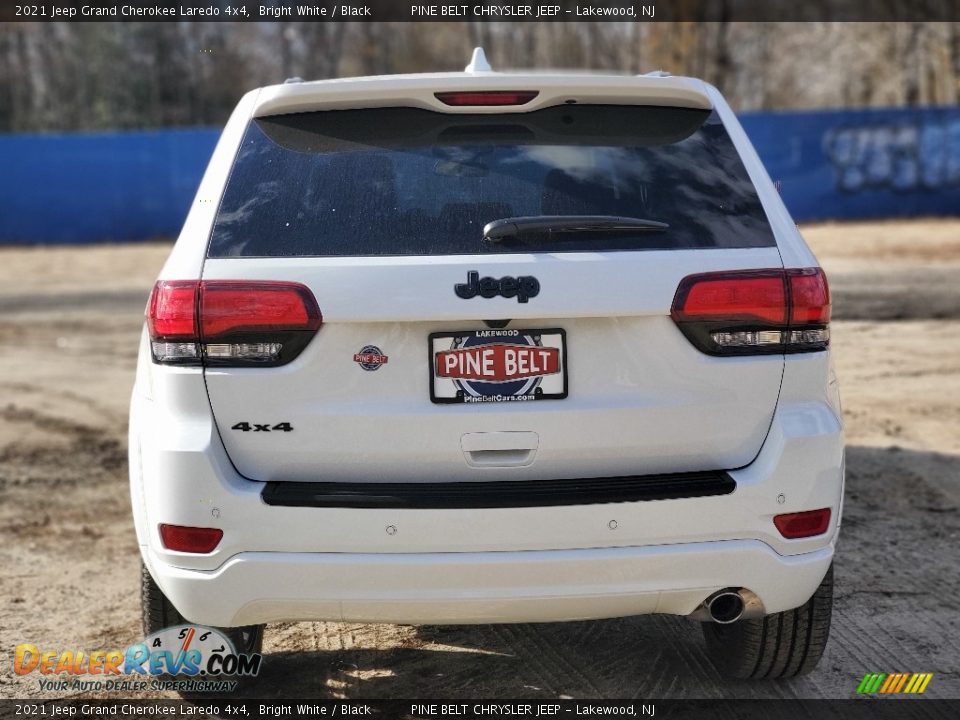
861,709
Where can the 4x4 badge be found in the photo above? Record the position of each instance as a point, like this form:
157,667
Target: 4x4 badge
523,287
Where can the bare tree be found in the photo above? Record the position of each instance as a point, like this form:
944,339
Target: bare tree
125,75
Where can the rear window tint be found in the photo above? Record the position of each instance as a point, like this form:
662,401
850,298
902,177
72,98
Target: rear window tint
405,181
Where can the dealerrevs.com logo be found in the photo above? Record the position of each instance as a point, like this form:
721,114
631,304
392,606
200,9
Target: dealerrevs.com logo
186,658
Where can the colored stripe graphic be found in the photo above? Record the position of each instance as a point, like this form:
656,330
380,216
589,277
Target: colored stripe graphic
901,682
914,681
870,682
894,683
918,683
891,681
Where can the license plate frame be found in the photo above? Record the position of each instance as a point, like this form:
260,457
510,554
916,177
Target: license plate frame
542,351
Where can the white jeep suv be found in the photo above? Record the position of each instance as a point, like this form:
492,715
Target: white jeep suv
480,347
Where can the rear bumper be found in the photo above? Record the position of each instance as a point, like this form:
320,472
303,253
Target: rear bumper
477,565
450,588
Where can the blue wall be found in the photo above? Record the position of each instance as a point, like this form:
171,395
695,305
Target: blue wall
862,163
139,185
103,186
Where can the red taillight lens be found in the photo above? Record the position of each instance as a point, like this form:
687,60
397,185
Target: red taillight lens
486,98
172,310
230,322
803,524
732,296
809,297
234,307
190,539
752,312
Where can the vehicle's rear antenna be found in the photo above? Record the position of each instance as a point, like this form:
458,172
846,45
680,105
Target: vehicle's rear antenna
478,63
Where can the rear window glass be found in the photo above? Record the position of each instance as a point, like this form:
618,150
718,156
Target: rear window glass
405,181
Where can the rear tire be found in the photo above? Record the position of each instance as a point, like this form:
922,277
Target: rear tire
780,645
159,613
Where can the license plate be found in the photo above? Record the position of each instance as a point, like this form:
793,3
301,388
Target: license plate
483,366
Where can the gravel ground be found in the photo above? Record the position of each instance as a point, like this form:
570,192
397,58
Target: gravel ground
69,322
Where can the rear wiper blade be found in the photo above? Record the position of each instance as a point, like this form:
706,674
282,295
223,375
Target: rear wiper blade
497,230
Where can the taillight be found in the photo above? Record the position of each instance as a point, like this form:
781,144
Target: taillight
190,539
803,524
486,98
752,312
230,322
172,321
809,297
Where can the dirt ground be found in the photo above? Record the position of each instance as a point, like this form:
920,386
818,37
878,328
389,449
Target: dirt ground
69,322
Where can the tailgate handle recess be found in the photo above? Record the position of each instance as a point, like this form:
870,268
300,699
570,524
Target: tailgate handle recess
499,449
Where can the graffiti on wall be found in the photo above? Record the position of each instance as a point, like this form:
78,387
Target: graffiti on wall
903,156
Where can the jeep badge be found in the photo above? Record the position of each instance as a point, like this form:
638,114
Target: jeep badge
523,287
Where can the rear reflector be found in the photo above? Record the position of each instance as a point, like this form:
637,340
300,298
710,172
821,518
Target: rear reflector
230,322
803,524
190,539
754,311
487,97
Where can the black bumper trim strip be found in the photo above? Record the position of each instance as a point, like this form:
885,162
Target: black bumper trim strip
500,494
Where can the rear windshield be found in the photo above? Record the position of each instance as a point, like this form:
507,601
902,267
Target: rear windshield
405,181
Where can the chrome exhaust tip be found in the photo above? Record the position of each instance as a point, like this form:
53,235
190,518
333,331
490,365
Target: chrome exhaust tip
728,606
725,607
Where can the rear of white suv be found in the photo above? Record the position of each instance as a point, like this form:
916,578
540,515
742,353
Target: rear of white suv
482,347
